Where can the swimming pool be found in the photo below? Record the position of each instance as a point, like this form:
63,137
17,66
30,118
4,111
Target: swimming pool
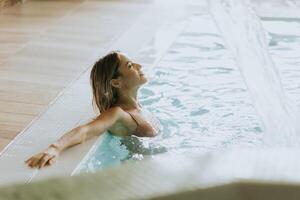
199,95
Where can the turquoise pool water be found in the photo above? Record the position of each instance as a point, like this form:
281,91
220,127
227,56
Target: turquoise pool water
197,92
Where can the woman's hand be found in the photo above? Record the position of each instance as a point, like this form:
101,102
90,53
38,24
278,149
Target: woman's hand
45,158
76,136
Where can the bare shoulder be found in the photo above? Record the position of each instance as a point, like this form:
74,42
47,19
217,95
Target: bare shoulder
104,121
115,112
124,125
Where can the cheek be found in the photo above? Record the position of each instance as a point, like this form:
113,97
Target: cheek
133,76
130,79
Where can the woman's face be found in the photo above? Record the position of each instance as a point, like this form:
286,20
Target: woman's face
131,73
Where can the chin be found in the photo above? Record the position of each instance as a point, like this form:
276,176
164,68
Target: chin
145,80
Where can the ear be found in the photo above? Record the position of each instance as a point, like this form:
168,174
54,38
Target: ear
115,83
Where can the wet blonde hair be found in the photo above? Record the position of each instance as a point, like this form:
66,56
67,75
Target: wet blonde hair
103,71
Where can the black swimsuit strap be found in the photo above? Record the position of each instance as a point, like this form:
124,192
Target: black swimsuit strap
136,121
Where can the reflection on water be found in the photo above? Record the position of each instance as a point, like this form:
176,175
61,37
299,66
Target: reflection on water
112,150
136,145
242,30
197,92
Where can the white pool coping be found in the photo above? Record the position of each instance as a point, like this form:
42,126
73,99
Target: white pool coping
231,174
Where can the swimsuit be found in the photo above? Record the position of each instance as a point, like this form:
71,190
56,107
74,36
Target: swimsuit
144,128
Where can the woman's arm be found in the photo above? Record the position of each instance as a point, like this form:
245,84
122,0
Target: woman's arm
94,128
76,136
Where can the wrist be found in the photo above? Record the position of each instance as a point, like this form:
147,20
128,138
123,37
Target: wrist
55,146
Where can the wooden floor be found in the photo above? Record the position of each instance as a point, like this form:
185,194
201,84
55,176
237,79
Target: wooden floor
47,45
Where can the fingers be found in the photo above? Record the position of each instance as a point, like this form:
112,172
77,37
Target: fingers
34,160
40,160
50,161
43,160
28,160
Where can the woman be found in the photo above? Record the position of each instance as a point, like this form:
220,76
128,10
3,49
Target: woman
115,81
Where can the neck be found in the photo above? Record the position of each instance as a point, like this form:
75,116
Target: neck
128,99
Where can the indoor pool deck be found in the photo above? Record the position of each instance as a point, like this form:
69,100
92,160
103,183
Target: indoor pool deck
46,46
47,49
